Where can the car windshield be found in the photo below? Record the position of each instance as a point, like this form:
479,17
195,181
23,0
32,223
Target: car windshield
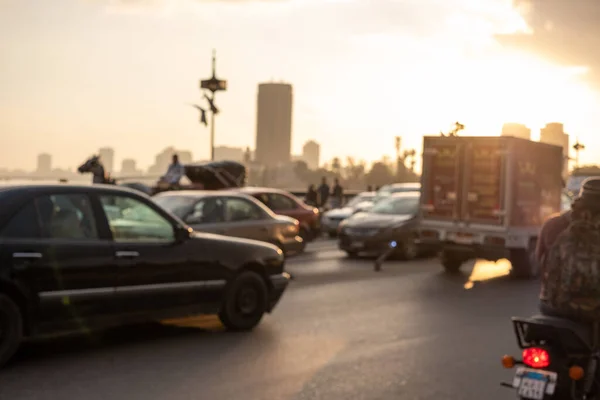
397,206
359,198
180,206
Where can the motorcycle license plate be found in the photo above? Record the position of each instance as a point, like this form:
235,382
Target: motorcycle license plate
534,384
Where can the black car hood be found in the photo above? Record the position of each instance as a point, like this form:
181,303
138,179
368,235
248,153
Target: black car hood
236,250
372,220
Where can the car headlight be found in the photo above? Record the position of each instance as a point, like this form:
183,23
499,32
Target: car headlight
292,229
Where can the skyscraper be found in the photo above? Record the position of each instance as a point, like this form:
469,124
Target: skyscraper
553,133
44,163
311,154
274,124
516,130
107,157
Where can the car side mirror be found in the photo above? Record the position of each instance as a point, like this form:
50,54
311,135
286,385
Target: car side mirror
181,234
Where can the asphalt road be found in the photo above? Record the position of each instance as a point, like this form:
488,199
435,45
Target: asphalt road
342,331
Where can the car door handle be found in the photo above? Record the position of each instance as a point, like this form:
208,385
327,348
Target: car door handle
127,254
27,256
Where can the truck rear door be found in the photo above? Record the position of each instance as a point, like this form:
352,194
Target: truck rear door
440,184
484,177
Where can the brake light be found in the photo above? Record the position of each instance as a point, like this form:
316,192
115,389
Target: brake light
536,357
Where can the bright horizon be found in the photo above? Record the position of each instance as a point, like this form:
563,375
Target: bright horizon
78,75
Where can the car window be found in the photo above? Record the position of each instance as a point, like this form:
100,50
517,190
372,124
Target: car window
263,198
180,206
210,210
359,198
66,216
24,224
397,206
237,209
279,202
131,220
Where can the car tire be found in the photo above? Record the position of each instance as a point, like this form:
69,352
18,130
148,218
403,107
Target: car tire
524,264
245,302
11,328
451,261
303,233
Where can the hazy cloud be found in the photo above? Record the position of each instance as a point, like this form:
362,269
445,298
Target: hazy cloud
563,31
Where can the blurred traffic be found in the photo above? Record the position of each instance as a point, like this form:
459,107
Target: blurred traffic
110,254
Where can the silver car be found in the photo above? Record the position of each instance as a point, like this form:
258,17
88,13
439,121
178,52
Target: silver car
332,218
233,214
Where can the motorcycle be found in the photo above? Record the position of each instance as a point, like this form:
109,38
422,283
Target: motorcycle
559,359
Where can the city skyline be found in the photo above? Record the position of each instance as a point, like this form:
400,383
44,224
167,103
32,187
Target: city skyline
82,75
552,133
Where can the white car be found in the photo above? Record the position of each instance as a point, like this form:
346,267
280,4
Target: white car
332,218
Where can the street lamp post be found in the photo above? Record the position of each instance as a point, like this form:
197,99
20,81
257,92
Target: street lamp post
577,147
213,85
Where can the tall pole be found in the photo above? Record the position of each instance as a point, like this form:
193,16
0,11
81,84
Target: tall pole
212,133
213,85
212,113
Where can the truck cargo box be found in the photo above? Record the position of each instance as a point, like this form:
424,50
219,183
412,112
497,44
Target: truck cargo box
488,196
503,181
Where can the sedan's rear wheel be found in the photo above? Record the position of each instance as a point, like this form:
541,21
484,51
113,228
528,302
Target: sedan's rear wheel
11,328
245,302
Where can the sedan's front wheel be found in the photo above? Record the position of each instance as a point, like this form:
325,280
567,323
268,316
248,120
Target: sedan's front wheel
245,302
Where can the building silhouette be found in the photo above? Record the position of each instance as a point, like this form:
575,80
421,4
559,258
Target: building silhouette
553,133
107,157
129,167
274,124
165,157
516,130
223,153
44,163
311,154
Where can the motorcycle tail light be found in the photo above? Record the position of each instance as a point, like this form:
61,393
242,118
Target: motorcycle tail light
536,357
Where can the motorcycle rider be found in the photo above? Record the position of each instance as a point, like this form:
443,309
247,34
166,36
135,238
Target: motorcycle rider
585,208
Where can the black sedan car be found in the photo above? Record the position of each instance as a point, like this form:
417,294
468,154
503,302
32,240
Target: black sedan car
391,221
88,257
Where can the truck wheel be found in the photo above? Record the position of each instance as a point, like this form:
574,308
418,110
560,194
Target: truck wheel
245,302
451,261
11,328
524,264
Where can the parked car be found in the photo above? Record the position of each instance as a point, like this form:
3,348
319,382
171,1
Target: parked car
388,190
331,219
284,203
99,256
392,219
233,214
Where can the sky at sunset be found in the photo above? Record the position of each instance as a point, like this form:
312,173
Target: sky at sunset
76,75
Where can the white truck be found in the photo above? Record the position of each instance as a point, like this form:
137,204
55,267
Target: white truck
487,197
